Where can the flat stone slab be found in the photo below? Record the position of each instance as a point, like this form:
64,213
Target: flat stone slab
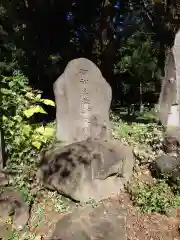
107,221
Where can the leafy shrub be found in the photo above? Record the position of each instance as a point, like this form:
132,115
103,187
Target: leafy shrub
147,141
23,139
149,115
147,138
151,133
157,197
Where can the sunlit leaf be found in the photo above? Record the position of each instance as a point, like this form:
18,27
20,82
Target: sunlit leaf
40,130
6,91
37,144
4,118
31,111
29,95
26,129
38,96
49,131
48,102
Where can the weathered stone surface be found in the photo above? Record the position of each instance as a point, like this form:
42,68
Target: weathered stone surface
168,88
83,99
166,164
169,166
172,141
91,169
107,222
11,204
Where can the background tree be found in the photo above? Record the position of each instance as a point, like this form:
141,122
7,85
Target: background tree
45,35
164,19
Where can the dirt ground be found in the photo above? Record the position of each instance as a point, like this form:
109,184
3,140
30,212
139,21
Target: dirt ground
152,226
140,226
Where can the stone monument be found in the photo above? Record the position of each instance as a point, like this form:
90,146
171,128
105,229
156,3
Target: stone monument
89,164
83,99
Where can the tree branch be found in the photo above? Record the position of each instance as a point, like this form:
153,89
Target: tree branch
148,13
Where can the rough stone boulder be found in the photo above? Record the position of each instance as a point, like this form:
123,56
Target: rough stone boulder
167,165
106,221
90,169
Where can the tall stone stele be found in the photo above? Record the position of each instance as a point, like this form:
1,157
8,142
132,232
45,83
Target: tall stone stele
83,99
169,101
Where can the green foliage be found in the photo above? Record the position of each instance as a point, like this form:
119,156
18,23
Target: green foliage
150,116
7,60
120,45
23,139
157,197
137,58
146,138
21,235
147,141
138,68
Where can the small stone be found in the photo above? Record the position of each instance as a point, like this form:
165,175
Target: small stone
165,164
171,141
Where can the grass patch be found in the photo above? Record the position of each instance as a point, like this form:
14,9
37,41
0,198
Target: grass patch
157,197
147,140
